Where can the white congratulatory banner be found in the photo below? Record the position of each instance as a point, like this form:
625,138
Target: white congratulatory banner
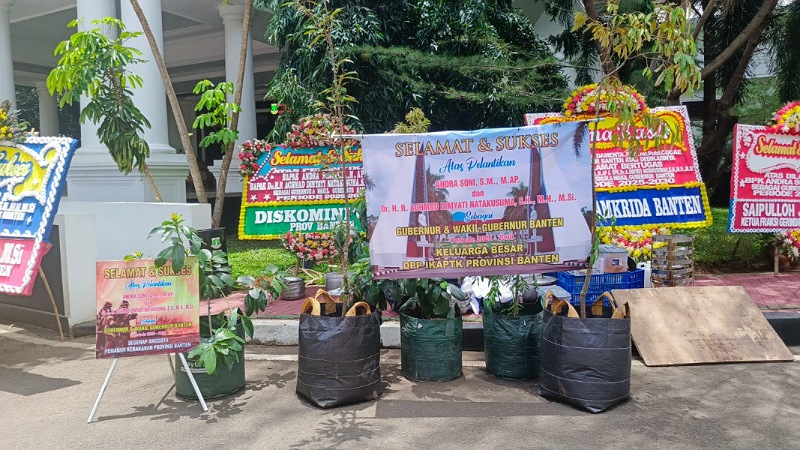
487,202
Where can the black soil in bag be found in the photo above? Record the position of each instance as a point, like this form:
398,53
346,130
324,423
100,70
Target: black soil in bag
339,359
586,363
511,344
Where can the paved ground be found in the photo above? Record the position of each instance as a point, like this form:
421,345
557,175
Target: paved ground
47,390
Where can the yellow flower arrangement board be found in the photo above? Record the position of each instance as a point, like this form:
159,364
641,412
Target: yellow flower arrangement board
661,187
32,175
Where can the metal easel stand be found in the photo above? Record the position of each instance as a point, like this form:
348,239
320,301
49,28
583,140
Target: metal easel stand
172,369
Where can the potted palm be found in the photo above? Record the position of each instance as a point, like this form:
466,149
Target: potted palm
217,362
512,331
430,330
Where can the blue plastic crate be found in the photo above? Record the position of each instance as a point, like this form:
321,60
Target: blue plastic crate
600,283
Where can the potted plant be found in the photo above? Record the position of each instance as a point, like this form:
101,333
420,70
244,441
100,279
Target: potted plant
586,360
217,362
308,248
430,330
512,331
339,346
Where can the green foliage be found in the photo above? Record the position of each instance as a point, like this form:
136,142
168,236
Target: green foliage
214,279
269,283
518,285
377,293
215,273
785,41
215,113
181,240
94,65
225,342
250,257
416,122
429,298
27,105
467,64
715,249
662,37
762,102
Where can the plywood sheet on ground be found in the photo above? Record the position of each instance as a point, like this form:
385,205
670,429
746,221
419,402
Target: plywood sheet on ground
697,325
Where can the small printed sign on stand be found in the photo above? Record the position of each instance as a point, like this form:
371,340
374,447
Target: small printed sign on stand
146,310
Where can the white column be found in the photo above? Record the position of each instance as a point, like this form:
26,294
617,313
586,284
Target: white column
232,16
7,91
93,175
151,97
48,111
89,10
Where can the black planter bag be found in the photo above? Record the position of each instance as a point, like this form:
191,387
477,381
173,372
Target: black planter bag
339,359
430,349
512,344
585,362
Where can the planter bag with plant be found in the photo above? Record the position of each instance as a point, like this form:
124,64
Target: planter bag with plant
430,349
512,343
224,381
585,362
339,357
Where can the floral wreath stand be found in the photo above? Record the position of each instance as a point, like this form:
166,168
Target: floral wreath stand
786,121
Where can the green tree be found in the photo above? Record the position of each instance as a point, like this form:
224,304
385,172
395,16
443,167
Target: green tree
228,135
663,37
95,65
466,64
730,31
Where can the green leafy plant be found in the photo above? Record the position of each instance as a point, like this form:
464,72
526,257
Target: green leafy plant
518,285
377,293
227,331
225,342
216,112
94,65
664,39
270,283
429,298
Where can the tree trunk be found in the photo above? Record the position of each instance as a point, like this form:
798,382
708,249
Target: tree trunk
754,29
216,217
146,172
713,147
606,62
191,156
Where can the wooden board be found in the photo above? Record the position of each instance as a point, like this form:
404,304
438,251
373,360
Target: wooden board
697,325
